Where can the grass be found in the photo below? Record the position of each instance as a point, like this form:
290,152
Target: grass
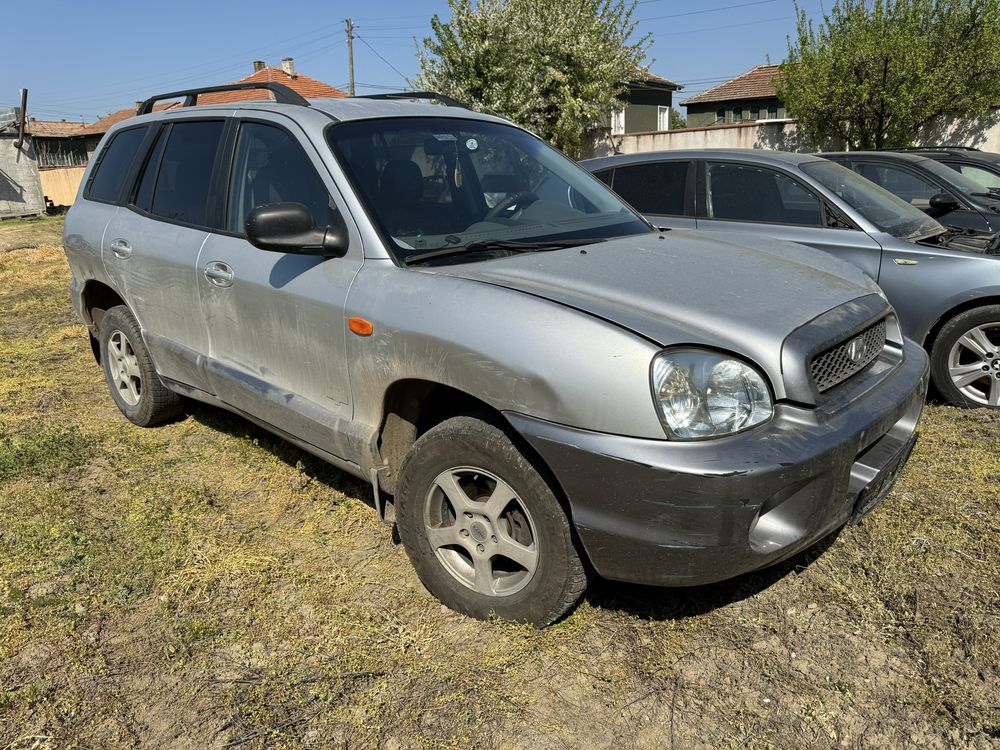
204,584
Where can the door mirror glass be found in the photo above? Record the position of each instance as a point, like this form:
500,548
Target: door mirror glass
289,228
943,202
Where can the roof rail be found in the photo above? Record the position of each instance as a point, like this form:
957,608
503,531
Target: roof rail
929,148
282,94
446,100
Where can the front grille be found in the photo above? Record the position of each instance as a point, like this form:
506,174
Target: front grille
848,358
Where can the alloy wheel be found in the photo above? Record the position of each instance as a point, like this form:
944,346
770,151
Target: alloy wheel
481,531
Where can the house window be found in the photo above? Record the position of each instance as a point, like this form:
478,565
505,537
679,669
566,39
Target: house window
772,112
618,121
663,118
755,112
737,114
720,116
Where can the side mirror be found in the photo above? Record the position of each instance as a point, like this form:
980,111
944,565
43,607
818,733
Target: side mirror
944,202
289,228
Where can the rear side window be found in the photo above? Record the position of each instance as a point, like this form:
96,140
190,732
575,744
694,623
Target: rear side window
743,193
113,166
184,174
604,176
271,167
653,188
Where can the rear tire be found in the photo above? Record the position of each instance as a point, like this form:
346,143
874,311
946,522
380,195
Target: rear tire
483,529
965,358
129,372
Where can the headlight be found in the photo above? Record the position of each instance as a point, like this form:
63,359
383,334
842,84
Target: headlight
702,394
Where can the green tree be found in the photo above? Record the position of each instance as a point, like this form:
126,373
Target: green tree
556,67
875,72
677,120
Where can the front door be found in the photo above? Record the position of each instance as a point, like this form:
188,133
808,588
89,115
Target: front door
276,321
746,198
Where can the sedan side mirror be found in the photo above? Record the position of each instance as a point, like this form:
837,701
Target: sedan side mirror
289,228
944,202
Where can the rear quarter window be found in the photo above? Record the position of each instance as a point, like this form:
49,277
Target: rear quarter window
113,165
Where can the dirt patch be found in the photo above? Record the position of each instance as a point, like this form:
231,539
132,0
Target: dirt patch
206,585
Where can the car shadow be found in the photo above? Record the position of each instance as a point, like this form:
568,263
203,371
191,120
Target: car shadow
678,603
314,467
645,602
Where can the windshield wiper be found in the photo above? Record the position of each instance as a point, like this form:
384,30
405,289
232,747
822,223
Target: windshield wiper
488,245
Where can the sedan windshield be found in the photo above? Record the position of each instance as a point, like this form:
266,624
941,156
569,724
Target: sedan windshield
432,184
953,177
887,212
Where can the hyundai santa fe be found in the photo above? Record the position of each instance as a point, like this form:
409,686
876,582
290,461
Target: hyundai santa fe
538,384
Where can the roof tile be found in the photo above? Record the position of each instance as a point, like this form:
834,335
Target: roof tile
756,83
308,87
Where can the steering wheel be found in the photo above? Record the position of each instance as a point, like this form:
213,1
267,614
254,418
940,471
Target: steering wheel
517,199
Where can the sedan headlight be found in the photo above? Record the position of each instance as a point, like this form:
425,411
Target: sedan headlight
704,394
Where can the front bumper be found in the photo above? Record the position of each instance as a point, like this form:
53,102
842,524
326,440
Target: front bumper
676,513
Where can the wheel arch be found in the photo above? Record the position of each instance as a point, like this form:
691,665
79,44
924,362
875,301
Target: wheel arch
97,298
413,406
969,304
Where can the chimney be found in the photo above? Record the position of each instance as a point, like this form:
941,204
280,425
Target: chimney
288,65
258,65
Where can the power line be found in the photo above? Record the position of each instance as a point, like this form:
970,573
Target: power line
259,50
707,10
379,56
728,26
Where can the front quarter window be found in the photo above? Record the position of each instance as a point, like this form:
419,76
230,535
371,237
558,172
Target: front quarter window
433,183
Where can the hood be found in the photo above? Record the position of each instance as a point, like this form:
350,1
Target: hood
685,287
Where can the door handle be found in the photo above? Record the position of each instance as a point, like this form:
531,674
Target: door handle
219,273
121,248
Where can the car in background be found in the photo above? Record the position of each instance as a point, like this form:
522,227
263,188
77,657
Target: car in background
981,166
944,284
946,194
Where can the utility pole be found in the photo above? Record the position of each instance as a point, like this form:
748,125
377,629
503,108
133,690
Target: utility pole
350,56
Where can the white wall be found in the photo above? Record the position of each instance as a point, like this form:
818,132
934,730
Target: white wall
781,135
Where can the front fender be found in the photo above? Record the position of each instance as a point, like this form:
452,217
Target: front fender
512,350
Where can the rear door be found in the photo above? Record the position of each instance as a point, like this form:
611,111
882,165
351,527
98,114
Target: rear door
276,321
741,197
663,191
152,244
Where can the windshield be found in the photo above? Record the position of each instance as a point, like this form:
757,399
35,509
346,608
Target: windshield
883,209
961,181
432,183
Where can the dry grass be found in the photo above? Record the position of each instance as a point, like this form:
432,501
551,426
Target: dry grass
204,584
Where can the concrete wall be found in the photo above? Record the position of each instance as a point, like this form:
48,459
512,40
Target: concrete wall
772,134
61,184
781,135
20,187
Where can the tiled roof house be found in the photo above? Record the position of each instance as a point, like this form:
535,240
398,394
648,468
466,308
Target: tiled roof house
286,74
746,98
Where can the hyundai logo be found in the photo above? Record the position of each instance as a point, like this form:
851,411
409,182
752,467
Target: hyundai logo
856,349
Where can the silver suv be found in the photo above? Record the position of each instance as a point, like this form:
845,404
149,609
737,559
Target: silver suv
537,383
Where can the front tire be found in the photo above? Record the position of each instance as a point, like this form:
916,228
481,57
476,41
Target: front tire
129,371
483,529
965,358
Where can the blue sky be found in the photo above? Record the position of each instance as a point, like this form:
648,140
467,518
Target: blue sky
88,59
